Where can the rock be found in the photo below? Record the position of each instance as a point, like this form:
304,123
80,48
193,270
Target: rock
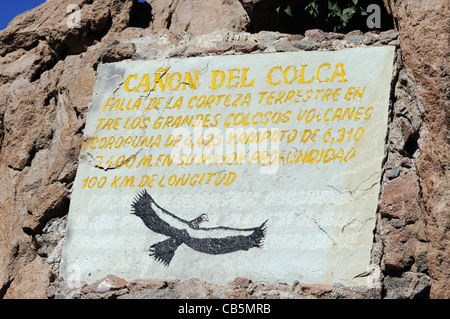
333,36
238,281
116,51
41,173
402,228
145,55
388,36
51,292
420,257
407,104
263,291
198,17
31,281
52,241
316,289
408,286
245,46
267,39
425,59
220,47
149,294
369,38
315,35
358,292
141,284
401,135
304,45
110,294
43,107
60,289
237,293
284,45
49,21
318,36
192,289
354,38
354,32
177,51
394,173
109,283
406,162
397,255
29,64
401,198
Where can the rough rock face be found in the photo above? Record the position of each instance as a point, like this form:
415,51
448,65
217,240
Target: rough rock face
47,74
46,81
424,30
198,16
48,22
32,281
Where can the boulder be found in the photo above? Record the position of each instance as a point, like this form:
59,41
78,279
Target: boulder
423,33
31,281
198,16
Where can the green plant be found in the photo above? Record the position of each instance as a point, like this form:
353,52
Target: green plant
334,15
341,14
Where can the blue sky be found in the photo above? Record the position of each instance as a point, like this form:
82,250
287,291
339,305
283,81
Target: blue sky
10,9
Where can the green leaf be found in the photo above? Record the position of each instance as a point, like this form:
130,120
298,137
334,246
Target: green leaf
288,11
312,8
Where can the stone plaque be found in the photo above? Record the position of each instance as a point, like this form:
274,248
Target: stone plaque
265,166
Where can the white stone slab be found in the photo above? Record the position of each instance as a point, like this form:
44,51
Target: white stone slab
319,205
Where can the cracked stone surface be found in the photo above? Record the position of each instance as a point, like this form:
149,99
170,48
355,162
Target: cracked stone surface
320,214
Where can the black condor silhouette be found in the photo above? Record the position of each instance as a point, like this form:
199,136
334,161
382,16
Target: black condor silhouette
226,239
